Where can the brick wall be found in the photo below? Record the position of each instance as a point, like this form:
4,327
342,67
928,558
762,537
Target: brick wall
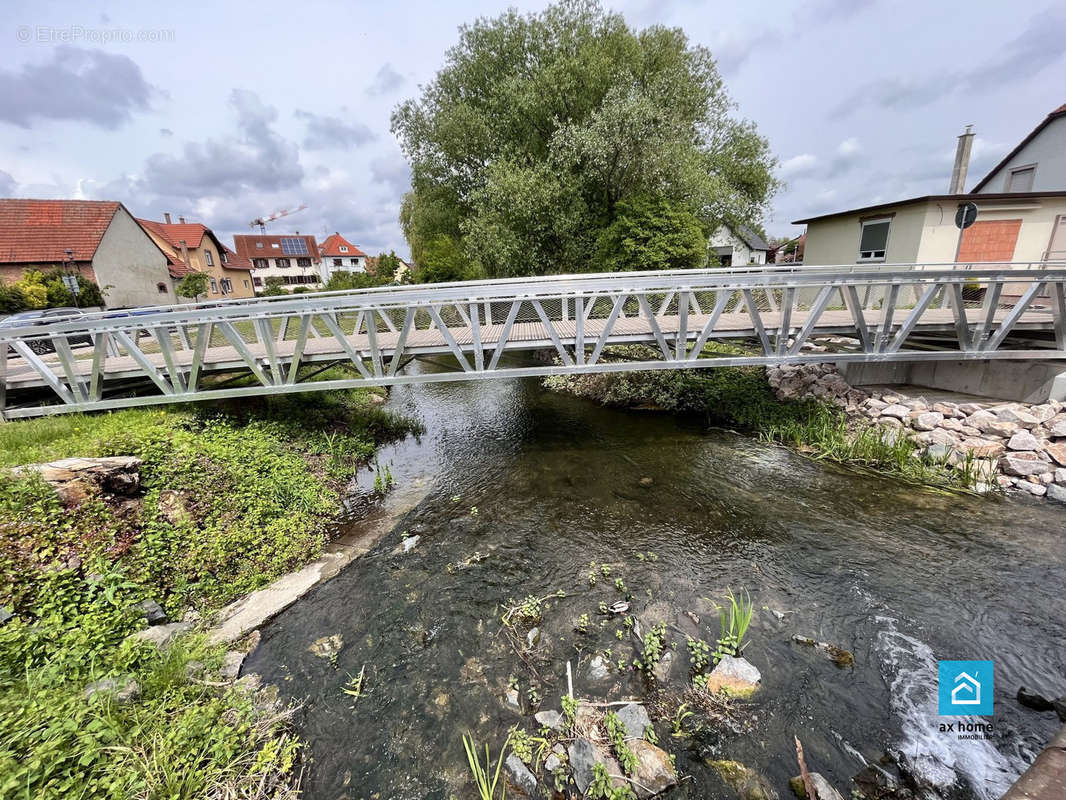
12,273
993,240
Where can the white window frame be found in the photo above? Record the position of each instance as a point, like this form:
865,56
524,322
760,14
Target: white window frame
862,228
209,258
343,249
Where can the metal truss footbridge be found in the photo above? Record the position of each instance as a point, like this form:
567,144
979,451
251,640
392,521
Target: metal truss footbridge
272,345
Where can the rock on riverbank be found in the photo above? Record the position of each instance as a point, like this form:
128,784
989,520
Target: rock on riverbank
1019,447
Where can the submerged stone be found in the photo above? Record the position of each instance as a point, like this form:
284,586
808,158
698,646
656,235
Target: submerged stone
746,782
598,669
327,646
822,788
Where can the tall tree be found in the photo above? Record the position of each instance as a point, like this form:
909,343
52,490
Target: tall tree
539,127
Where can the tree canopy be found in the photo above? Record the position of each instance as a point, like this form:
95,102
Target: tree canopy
541,130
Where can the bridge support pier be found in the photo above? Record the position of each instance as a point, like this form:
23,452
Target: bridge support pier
1003,379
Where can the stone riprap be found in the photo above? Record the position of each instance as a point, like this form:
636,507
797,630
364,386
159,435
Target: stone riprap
1018,447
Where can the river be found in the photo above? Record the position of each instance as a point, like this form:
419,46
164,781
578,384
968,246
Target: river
526,488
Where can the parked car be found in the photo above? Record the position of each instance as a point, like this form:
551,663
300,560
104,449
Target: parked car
43,317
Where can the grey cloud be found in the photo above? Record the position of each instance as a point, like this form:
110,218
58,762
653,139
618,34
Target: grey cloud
7,184
326,132
1036,48
386,80
257,158
75,84
393,172
166,132
831,10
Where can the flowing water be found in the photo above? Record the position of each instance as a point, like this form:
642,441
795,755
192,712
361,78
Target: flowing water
526,488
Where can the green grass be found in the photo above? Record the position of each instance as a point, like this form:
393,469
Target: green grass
259,489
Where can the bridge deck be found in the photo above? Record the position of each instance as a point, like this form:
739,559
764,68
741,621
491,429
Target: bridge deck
523,336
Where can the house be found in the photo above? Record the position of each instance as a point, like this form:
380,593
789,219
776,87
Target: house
1021,213
291,257
99,239
732,247
1018,226
340,255
1037,164
967,691
192,247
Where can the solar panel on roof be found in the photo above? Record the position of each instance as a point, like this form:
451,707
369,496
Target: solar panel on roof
292,246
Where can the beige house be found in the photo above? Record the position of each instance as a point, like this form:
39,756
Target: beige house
1019,226
1021,213
192,247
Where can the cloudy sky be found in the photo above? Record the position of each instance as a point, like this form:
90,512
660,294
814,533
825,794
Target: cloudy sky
223,114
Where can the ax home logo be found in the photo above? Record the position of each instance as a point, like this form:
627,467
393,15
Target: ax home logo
965,688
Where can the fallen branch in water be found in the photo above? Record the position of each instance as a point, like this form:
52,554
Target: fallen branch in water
808,786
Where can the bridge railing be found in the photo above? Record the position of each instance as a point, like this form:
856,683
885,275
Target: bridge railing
178,350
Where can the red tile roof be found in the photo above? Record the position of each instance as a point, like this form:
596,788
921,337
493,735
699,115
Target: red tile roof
332,247
41,231
235,261
245,245
192,233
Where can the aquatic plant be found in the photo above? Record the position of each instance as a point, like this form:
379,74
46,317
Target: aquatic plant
354,687
616,732
619,584
699,653
654,642
678,723
734,618
601,787
486,787
582,624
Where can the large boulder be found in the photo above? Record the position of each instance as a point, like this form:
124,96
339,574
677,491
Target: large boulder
520,776
75,479
635,719
1023,464
162,636
734,676
654,772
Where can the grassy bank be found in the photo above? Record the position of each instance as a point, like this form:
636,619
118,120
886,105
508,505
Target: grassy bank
741,398
232,497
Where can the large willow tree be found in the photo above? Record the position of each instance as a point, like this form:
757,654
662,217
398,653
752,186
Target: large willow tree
541,131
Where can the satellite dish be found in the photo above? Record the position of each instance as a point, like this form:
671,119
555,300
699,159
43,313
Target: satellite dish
966,216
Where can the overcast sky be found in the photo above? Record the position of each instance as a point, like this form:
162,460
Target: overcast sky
223,114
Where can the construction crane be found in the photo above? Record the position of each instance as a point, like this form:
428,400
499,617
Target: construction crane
262,221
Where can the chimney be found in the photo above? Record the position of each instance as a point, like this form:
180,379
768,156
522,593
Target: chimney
166,216
962,162
182,219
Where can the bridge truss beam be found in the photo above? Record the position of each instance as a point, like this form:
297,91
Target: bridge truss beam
178,352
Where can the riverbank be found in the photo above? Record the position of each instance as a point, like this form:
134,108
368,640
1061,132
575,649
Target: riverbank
810,416
101,573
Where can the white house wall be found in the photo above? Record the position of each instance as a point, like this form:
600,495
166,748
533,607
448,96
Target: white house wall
836,240
1048,151
129,267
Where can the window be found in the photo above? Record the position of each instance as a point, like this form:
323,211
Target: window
1021,179
222,255
274,245
282,262
227,285
257,281
161,288
214,286
343,248
336,262
293,246
259,263
303,262
259,245
355,262
246,284
209,258
873,241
